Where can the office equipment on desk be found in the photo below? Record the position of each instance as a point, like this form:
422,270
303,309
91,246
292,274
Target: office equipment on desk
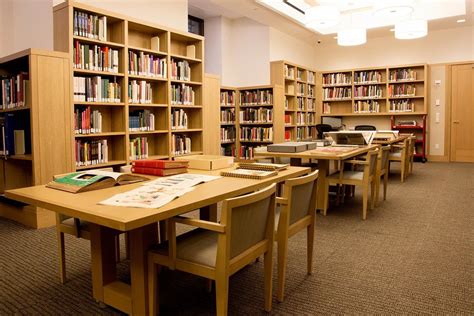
357,138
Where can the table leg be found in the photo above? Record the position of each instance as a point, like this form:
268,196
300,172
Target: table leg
140,239
323,188
208,213
103,259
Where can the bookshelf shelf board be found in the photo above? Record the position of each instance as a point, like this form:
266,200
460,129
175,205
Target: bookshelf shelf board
94,41
227,106
311,83
227,123
103,165
256,124
190,59
289,79
146,50
290,94
256,141
182,106
151,105
190,83
149,132
375,114
368,98
23,108
290,125
337,85
338,100
289,110
406,97
99,134
153,157
99,103
300,80
189,154
97,72
256,105
369,83
28,157
406,81
148,78
187,130
227,141
407,127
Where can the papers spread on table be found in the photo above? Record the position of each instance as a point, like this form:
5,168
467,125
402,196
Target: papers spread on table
249,174
158,192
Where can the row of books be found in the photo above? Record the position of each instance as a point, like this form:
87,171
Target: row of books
260,115
14,91
142,64
228,150
140,91
228,116
311,118
288,119
256,97
180,70
141,120
138,148
87,121
368,91
15,133
227,98
300,118
299,74
159,167
310,104
300,88
179,119
310,91
337,93
289,72
301,133
228,134
182,94
372,76
300,104
366,107
246,152
326,108
337,78
402,106
96,89
262,134
89,153
95,57
90,26
401,90
180,144
311,77
402,74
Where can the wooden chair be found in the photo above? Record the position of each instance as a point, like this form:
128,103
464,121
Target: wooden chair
400,155
297,211
363,178
382,171
218,250
411,154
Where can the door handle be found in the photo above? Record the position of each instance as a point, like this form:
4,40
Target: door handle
456,122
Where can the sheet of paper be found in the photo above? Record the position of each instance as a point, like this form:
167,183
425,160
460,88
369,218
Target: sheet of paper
185,180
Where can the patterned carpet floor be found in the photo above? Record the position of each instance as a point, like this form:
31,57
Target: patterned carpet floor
413,255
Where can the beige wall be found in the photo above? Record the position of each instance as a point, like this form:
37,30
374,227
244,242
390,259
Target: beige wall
437,88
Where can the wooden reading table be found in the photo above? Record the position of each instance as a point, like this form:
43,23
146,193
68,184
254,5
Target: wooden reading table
141,224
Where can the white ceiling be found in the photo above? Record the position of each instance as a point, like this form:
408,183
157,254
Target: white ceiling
233,9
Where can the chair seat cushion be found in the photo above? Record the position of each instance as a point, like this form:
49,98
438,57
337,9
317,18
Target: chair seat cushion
198,246
349,175
83,225
397,154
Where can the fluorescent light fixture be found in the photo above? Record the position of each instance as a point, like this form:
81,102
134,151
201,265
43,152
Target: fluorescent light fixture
352,37
387,9
461,21
322,17
411,29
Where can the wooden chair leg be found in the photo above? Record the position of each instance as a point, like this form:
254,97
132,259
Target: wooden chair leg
222,293
153,298
268,266
372,194
377,190
385,184
62,257
365,198
282,257
310,244
402,171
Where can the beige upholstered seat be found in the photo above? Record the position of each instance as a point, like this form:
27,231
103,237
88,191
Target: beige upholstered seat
296,211
364,178
218,250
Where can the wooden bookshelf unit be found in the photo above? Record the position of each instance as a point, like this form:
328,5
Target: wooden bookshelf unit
44,149
300,101
228,119
152,86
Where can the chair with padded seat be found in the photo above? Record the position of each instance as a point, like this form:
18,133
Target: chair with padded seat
323,128
382,171
218,250
399,154
365,128
296,210
365,178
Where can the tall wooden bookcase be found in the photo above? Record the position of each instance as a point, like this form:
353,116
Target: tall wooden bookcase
396,93
45,119
300,98
228,119
133,38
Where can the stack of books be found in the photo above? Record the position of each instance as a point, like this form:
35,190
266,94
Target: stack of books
159,168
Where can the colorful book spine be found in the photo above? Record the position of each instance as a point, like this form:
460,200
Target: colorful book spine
142,64
97,89
141,120
140,92
138,148
182,94
180,70
89,153
179,119
258,134
260,115
256,97
180,144
90,26
95,57
87,121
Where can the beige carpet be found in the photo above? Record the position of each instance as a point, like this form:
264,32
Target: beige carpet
414,254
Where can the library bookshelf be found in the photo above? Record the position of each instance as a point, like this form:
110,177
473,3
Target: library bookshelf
259,119
42,149
228,119
300,98
150,100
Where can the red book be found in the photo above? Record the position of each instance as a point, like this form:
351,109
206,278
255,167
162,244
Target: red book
159,172
161,164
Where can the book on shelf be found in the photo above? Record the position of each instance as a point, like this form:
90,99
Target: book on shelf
160,164
337,93
143,64
78,182
97,89
372,76
403,74
141,120
402,106
289,72
249,174
337,78
180,70
95,57
228,116
263,134
180,144
14,91
227,98
140,91
139,148
260,115
263,166
89,153
19,142
407,123
87,121
182,94
401,90
160,172
90,26
15,138
256,97
228,134
179,119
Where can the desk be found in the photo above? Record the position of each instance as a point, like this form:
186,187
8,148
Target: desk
399,139
323,155
141,225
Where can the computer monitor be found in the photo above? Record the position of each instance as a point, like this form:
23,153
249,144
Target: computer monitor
335,122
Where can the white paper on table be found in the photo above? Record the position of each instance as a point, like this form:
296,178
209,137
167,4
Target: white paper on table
182,181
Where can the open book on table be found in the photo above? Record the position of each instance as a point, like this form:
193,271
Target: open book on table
77,182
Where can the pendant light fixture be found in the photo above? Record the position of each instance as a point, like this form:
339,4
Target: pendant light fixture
411,29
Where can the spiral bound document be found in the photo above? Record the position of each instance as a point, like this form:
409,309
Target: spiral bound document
249,174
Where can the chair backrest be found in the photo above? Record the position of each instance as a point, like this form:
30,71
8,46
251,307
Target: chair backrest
411,146
323,128
365,128
301,195
371,167
384,153
249,219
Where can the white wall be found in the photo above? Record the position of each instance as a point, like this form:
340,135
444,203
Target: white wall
213,45
437,92
448,45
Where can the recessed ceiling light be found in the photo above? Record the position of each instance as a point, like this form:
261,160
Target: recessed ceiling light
461,21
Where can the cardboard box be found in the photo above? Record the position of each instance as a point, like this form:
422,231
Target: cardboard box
208,162
309,145
288,147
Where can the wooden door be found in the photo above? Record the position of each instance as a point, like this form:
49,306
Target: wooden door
462,113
